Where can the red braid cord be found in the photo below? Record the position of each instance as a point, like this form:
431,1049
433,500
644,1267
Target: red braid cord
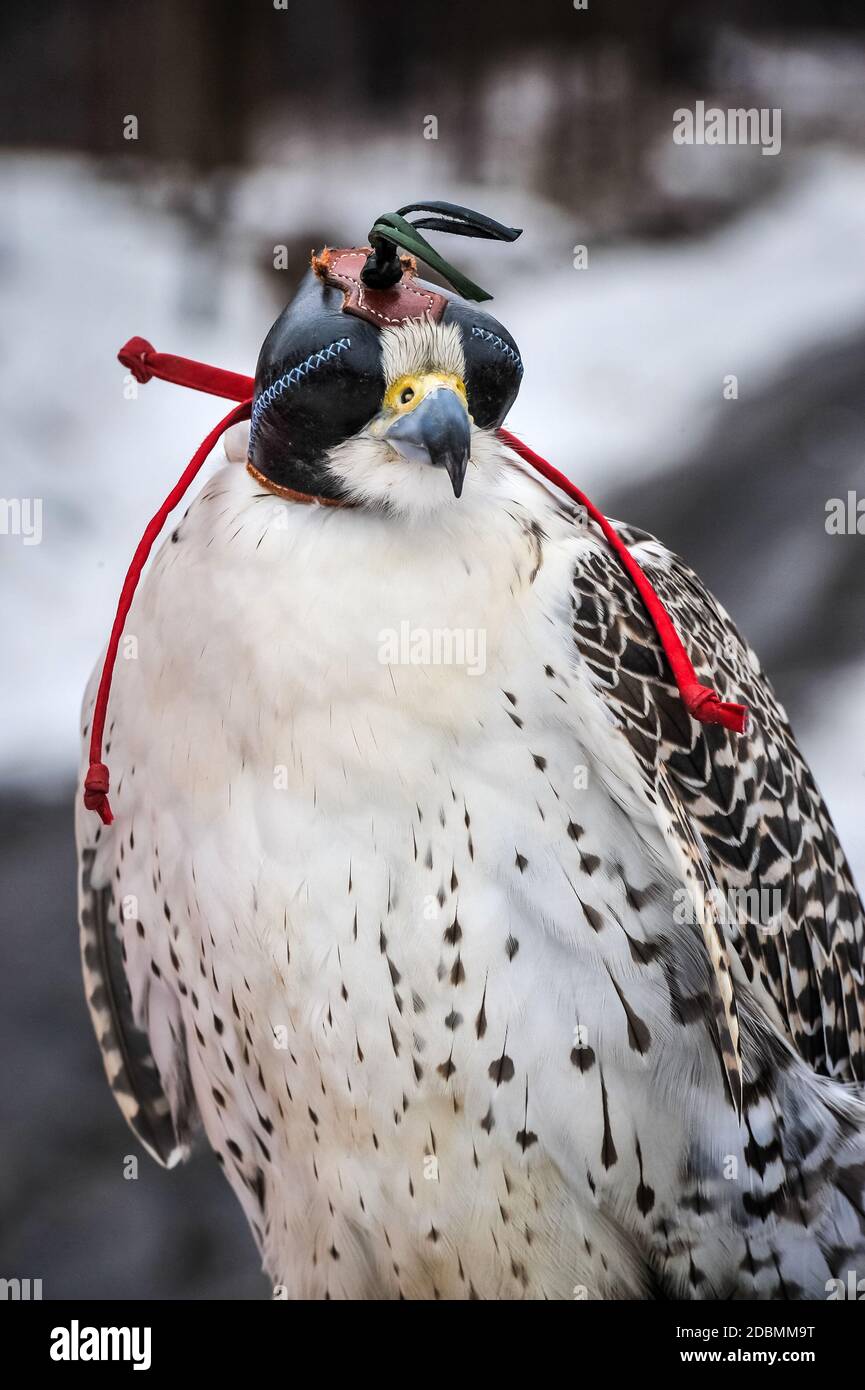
142,359
701,702
96,781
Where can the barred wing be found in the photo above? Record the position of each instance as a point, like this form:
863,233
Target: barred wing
746,807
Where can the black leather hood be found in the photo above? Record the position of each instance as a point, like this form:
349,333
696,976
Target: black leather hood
319,378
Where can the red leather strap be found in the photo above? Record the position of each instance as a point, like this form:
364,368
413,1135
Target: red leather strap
142,359
144,362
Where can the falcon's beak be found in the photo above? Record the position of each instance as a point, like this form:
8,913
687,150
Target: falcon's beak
426,419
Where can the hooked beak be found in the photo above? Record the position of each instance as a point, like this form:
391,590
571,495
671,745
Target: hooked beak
437,431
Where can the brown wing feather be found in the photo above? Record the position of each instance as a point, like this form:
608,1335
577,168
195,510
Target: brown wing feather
793,917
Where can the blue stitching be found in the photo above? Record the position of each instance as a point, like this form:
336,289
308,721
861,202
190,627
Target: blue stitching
315,359
478,332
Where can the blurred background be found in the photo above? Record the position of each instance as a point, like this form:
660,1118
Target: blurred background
264,129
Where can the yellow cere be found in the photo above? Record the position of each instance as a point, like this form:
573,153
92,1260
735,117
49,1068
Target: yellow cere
408,391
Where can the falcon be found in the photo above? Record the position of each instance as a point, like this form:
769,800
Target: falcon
443,883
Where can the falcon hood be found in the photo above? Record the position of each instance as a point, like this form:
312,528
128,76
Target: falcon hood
322,372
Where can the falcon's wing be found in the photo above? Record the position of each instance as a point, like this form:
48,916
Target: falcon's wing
153,1091
743,810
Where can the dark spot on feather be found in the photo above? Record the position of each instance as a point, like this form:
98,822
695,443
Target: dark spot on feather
642,952
759,1156
481,1020
454,932
608,1149
593,917
583,1058
639,1037
773,1203
502,1069
638,897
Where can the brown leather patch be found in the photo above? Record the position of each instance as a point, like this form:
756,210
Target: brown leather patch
384,308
